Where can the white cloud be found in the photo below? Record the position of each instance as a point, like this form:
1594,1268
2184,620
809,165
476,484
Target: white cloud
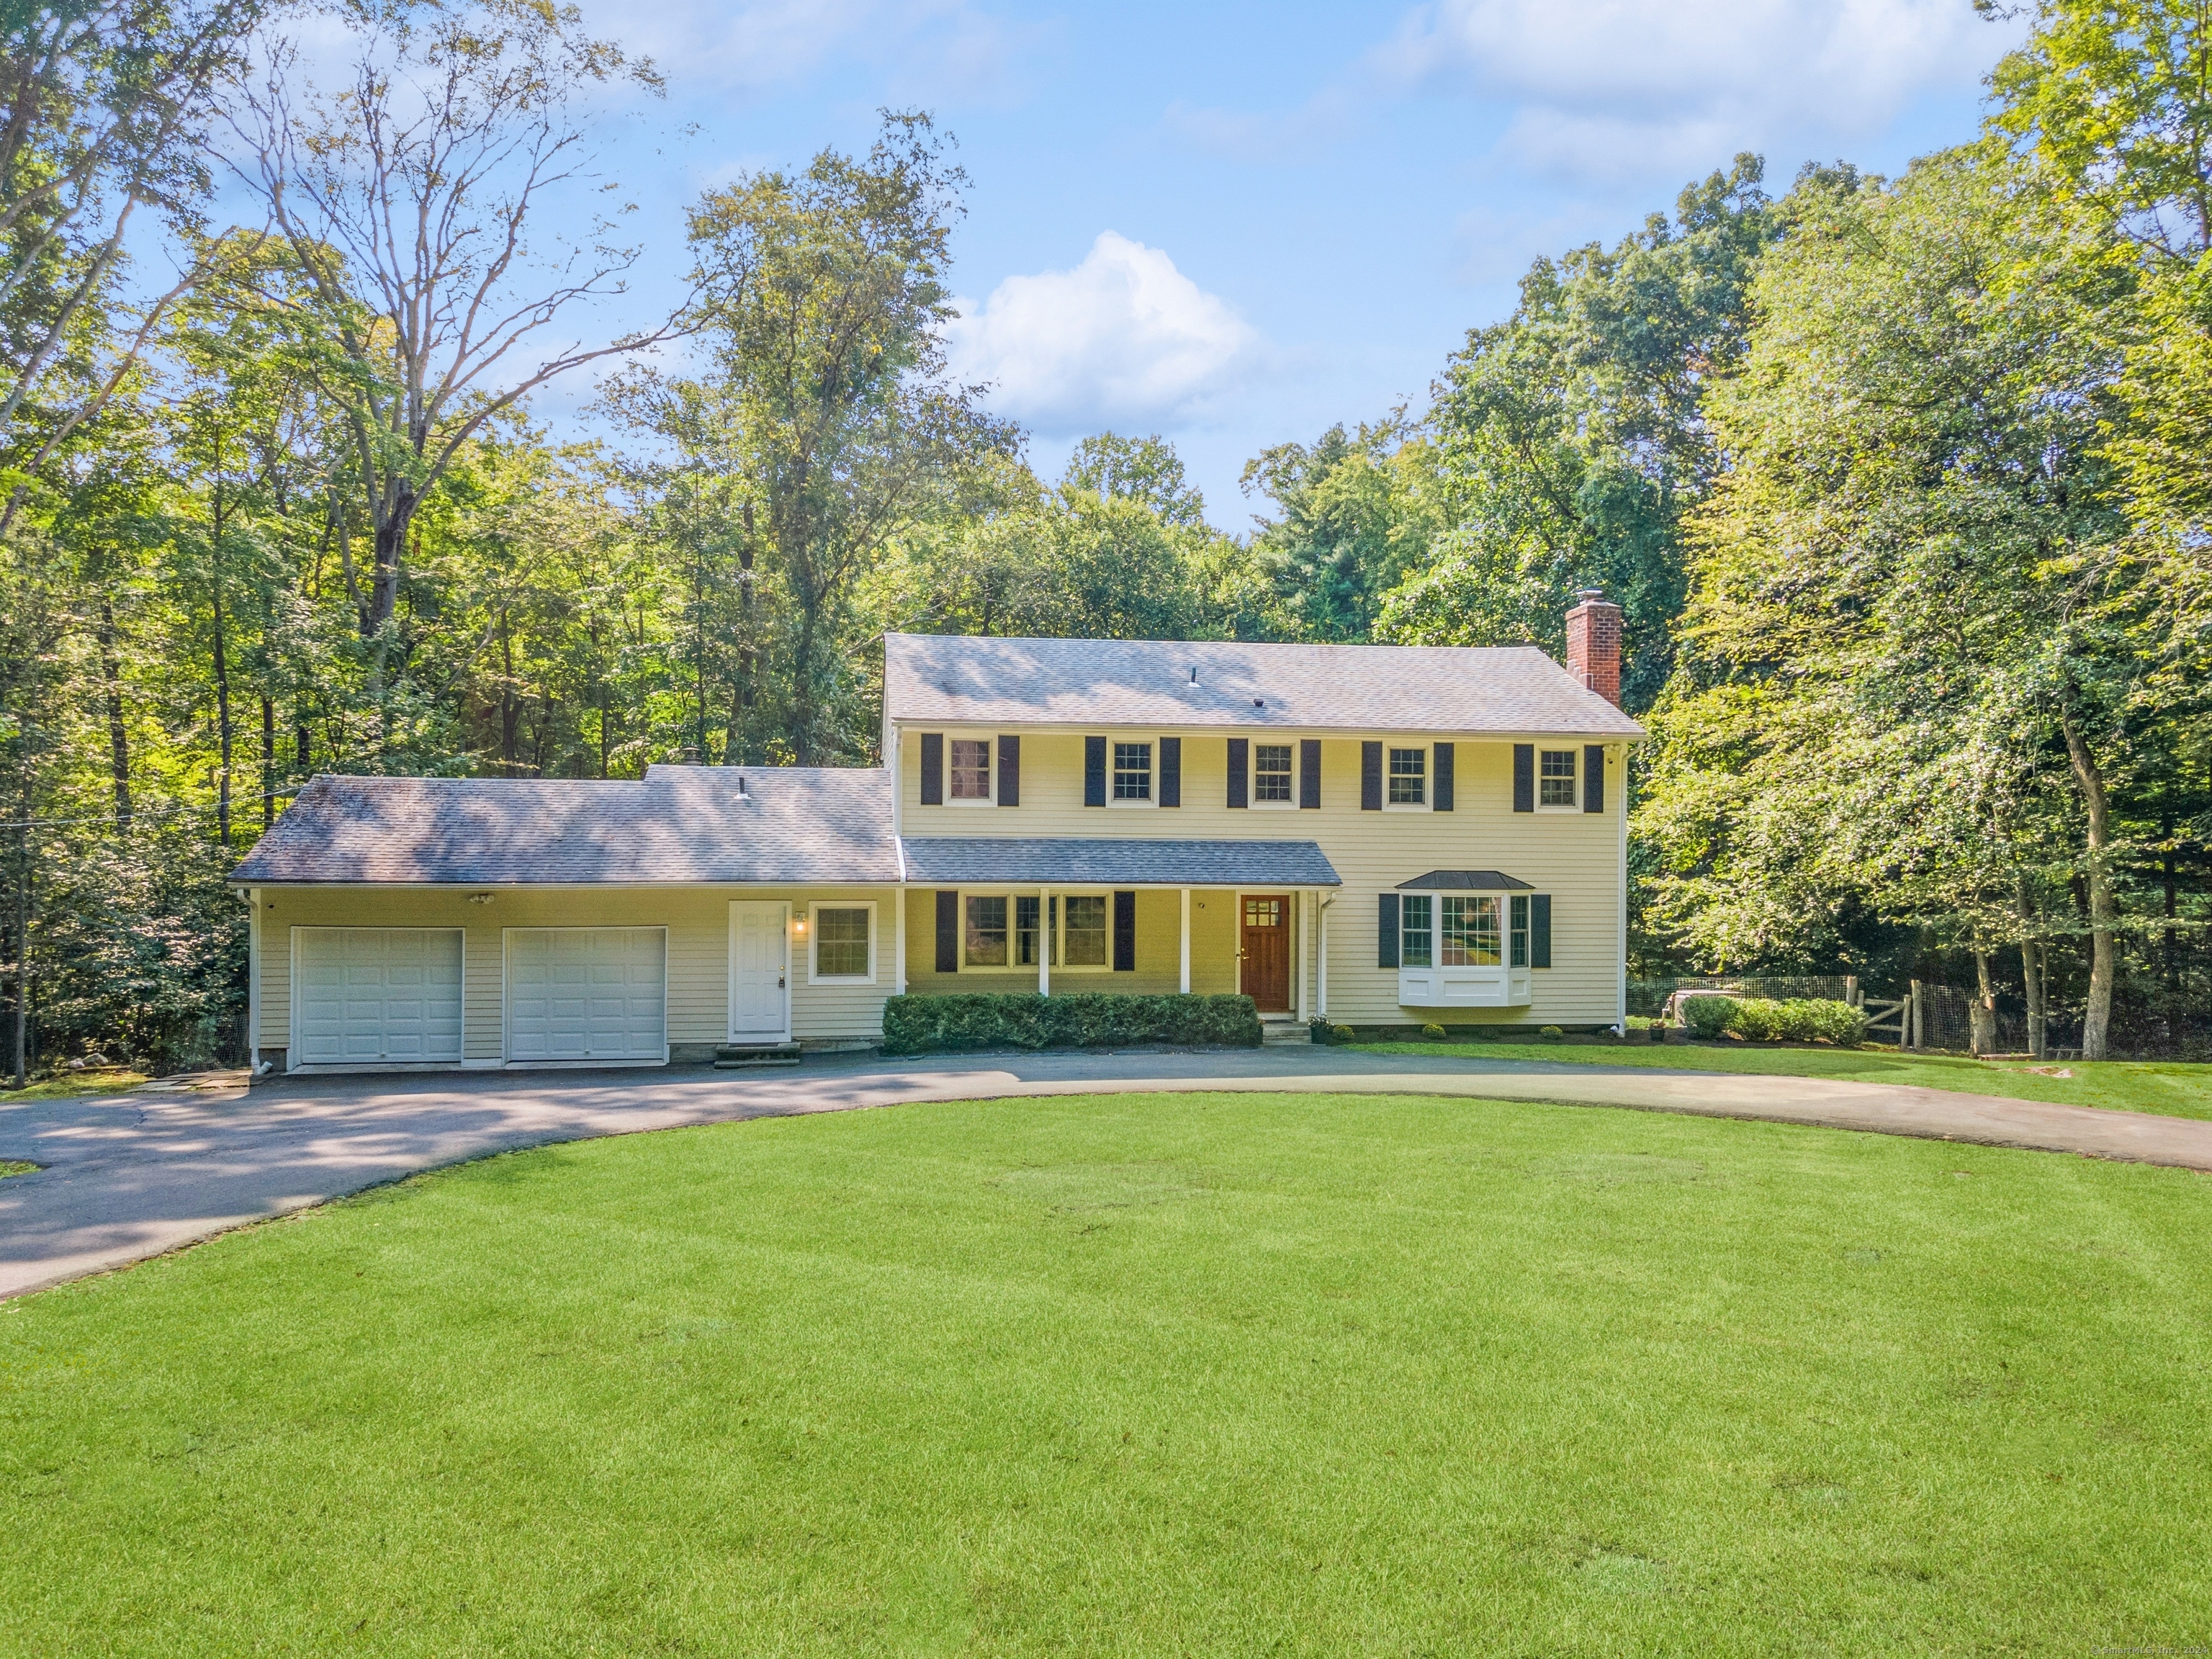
1124,336
929,48
1614,88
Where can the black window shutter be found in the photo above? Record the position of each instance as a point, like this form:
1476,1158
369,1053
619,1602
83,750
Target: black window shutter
1524,777
1593,779
1094,771
1170,771
1540,930
1125,932
1010,771
1240,771
932,769
948,933
1440,797
1308,772
1386,932
1370,777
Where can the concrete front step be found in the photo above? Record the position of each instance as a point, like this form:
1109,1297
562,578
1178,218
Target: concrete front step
745,1056
1276,1033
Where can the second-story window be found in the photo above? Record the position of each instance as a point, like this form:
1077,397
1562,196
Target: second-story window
971,769
1409,780
1271,771
1555,782
1133,771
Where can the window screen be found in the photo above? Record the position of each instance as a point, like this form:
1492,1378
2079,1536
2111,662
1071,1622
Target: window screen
971,769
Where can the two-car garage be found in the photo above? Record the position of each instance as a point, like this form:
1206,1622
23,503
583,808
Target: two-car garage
394,996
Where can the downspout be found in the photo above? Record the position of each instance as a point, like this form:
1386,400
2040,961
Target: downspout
253,983
1620,1016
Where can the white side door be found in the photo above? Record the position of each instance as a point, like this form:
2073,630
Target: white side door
759,971
587,994
377,996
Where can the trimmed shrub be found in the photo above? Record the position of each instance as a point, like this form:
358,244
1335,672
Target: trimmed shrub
1434,1033
1343,1034
1709,1017
938,1024
1552,1034
1840,1023
1757,1019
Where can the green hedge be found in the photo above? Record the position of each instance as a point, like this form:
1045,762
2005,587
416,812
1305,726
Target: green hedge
1756,1019
931,1024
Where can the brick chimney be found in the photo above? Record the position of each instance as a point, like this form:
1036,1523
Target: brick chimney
1594,644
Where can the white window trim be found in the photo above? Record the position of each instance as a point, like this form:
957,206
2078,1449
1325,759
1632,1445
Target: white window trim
814,909
1427,802
1058,922
1509,979
1575,806
1150,801
990,742
1258,805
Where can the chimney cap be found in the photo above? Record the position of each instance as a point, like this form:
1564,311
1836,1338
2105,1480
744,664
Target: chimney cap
1590,595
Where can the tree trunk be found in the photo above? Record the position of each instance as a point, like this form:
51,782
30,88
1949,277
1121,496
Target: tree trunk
2032,974
804,714
2089,782
391,529
1982,1035
22,1055
510,713
221,684
268,763
119,738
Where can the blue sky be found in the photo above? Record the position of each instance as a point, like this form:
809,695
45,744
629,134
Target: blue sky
1235,224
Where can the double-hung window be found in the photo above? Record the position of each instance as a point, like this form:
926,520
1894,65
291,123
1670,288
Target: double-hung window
985,942
843,948
1133,773
1555,778
1520,932
1409,769
1087,942
971,769
1271,773
1415,939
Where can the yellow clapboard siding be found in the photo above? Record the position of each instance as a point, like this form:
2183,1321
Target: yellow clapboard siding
1574,856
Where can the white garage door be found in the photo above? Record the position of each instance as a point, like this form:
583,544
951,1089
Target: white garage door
587,994
378,995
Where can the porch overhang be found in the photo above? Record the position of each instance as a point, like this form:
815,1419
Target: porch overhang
973,860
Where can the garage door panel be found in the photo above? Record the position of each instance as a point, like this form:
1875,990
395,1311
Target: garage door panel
587,994
379,995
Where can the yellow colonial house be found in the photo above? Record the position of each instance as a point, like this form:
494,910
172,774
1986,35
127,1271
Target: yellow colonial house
1380,835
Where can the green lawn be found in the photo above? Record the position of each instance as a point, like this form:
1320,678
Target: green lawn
11,1166
62,1085
1173,1375
2172,1088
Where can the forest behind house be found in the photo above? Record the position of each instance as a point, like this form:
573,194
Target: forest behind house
1903,483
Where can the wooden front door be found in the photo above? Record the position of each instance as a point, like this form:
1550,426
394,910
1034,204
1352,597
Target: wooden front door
1266,952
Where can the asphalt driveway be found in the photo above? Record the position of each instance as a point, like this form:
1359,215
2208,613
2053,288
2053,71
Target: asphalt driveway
129,1175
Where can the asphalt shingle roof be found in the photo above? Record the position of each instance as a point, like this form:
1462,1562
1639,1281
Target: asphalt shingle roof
956,860
1508,690
1481,881
820,825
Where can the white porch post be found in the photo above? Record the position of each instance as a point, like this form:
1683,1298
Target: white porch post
898,944
1044,941
1321,998
1186,941
1300,940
